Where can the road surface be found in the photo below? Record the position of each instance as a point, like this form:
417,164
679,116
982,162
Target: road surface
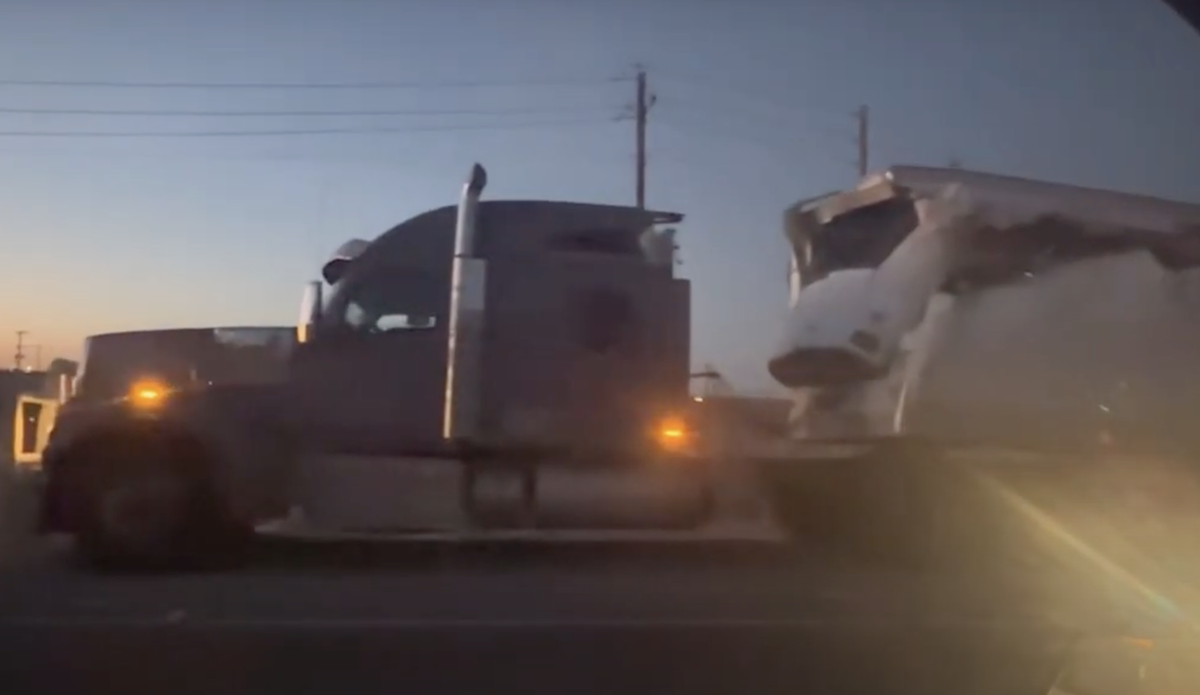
545,621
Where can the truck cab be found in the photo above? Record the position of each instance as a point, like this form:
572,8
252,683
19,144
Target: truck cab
491,365
583,343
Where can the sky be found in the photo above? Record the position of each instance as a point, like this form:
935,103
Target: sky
754,110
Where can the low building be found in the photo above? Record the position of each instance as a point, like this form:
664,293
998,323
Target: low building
28,400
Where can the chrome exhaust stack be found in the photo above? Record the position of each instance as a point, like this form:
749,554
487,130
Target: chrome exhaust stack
464,350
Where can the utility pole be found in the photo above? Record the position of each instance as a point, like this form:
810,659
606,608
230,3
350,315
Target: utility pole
864,145
19,358
644,101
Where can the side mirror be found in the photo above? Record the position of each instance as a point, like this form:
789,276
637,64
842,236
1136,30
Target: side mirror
334,269
310,312
341,259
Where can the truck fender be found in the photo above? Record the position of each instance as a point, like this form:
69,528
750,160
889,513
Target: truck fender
249,473
252,464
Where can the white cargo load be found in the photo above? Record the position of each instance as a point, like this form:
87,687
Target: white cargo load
1060,314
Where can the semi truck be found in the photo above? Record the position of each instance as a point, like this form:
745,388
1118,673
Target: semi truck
495,368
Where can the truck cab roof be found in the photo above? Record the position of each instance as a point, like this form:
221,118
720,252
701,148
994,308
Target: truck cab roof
1010,199
510,228
1024,220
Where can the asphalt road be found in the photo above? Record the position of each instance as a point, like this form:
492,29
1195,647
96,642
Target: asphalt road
535,618
539,621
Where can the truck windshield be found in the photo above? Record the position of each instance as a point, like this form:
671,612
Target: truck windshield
861,238
865,237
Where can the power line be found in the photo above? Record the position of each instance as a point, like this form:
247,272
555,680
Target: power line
290,113
769,143
735,112
117,84
740,98
779,151
307,131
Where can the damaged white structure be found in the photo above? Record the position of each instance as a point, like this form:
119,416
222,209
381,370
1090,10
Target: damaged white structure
992,309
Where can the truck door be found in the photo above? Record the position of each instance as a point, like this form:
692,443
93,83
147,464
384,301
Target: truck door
374,382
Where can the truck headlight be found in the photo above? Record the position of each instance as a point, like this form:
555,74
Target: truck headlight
672,434
147,393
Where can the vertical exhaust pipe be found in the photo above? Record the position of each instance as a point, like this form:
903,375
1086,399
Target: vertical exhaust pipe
464,350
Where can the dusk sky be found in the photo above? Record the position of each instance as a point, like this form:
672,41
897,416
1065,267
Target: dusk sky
754,111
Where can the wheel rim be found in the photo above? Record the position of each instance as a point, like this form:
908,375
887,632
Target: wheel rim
142,511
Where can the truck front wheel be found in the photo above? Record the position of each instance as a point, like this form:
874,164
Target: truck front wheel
149,507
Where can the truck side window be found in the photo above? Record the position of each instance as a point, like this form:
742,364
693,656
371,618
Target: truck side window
361,320
391,302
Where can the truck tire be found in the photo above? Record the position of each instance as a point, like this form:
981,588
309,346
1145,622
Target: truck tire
145,512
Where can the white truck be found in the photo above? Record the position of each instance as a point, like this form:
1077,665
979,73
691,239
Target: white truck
993,350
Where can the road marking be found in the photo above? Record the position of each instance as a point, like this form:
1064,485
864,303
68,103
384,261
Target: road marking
175,621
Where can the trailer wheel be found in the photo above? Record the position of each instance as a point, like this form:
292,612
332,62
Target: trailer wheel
147,509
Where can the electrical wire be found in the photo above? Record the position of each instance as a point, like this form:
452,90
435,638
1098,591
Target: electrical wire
366,130
741,97
755,137
288,113
119,84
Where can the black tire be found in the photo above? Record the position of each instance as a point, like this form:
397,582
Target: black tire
147,514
